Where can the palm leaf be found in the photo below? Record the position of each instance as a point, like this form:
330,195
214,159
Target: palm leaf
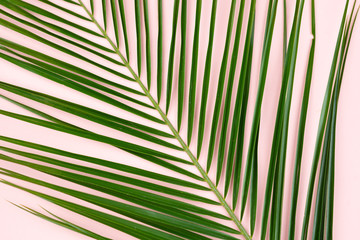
88,45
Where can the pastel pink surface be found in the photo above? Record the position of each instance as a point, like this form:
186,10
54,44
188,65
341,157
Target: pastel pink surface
15,224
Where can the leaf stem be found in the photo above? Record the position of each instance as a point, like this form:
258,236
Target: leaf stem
172,128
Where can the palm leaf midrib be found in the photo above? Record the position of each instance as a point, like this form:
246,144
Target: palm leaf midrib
171,127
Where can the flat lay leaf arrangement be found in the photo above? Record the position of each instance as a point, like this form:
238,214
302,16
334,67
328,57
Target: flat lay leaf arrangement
115,64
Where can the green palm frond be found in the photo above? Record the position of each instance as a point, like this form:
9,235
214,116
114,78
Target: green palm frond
159,188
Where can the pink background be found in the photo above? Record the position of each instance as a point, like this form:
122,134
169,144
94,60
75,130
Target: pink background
15,224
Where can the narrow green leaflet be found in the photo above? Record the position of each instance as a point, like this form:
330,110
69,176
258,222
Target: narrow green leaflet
147,43
138,34
160,51
170,72
194,71
254,188
67,10
181,79
92,5
301,132
220,87
206,79
104,10
62,222
124,27
115,21
238,129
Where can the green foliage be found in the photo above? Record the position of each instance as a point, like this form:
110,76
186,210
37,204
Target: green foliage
174,202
